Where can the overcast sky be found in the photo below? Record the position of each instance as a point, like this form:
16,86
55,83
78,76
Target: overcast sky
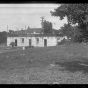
16,16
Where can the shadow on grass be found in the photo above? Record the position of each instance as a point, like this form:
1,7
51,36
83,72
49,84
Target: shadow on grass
74,66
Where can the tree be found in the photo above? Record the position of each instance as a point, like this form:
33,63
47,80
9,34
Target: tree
66,30
71,32
46,25
75,13
42,22
28,28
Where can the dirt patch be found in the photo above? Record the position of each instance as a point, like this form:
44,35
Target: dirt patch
74,66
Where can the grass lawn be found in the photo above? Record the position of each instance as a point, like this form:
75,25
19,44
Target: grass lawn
64,64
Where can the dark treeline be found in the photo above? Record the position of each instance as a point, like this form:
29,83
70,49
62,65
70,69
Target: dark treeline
3,37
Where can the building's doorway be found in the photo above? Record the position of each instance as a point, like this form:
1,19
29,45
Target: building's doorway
29,42
45,42
15,42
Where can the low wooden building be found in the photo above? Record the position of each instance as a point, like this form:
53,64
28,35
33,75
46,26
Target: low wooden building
34,39
37,40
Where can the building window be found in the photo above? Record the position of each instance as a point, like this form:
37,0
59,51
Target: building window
37,39
22,40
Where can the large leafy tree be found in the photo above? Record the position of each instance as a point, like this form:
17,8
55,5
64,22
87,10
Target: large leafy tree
66,30
75,13
46,25
71,32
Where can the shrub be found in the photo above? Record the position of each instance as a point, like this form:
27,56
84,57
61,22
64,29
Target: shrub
12,44
62,42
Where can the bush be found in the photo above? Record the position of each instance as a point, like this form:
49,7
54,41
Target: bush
12,44
62,42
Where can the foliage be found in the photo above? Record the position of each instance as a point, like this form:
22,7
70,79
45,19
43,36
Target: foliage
62,42
72,32
66,30
3,37
12,44
28,28
75,13
11,31
46,25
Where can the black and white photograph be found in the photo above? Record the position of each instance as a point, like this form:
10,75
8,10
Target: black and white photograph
44,43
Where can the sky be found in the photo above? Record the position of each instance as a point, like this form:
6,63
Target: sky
17,16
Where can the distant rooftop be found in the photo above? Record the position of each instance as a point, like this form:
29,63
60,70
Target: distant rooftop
36,30
29,31
35,35
33,32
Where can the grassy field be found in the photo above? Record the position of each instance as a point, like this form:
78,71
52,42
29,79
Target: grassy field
64,64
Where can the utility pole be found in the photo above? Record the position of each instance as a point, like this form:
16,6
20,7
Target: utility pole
17,31
42,20
25,29
42,23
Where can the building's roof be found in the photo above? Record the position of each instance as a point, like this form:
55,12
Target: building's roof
20,32
56,31
47,35
35,35
29,31
32,30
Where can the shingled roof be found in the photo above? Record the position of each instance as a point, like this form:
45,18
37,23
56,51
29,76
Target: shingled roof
35,35
29,31
32,30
